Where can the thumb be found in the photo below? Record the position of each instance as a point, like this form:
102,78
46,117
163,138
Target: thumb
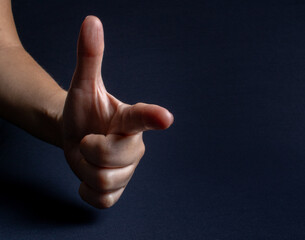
90,49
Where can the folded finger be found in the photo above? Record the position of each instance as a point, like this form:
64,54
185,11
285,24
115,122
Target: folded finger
113,150
97,199
104,179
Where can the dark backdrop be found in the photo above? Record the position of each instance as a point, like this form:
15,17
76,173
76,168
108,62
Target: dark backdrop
231,167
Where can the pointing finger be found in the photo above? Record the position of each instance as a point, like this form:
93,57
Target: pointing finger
141,117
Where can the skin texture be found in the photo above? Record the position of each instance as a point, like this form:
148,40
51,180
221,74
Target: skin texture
29,97
101,136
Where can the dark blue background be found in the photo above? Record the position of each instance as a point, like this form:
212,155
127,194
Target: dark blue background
233,164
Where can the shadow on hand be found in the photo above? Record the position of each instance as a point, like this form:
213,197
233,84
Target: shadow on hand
37,204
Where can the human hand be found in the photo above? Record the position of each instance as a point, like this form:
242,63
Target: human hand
103,136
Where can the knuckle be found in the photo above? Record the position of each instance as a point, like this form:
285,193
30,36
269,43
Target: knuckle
142,149
105,201
105,181
140,104
138,144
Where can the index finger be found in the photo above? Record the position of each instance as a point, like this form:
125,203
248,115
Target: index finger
141,117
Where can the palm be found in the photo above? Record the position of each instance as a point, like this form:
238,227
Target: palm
89,112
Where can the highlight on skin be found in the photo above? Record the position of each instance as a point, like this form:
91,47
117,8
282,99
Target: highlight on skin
103,136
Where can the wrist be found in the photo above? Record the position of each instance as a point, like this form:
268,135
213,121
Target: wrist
53,115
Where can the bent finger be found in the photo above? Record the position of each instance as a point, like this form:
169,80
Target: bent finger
99,200
113,150
104,179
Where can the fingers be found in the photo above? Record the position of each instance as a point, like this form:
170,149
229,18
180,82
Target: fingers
90,50
99,200
105,180
141,117
107,166
112,151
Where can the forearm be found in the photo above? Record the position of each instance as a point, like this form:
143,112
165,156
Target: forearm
29,97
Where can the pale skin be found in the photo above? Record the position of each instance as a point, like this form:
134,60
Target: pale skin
100,135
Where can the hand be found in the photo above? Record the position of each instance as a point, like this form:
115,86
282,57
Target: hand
103,136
